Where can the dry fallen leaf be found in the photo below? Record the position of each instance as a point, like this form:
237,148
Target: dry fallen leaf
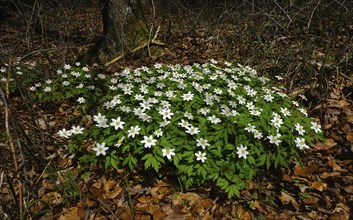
74,213
327,144
341,212
303,171
349,137
53,198
311,200
243,213
288,199
318,185
329,174
333,164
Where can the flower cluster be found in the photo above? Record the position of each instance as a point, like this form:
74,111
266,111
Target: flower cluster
214,123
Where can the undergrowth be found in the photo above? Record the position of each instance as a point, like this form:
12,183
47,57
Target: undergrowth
212,123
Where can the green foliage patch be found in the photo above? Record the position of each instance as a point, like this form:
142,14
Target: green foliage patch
213,123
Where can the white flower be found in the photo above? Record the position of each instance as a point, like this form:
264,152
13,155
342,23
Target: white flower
204,111
188,115
250,105
158,93
102,124
303,97
300,142
184,124
303,111
145,105
257,134
66,83
285,112
234,113
139,97
117,123
316,127
165,104
133,131
250,128
125,109
252,92
241,100
256,112
139,111
218,91
76,130
81,100
145,117
158,65
188,96
295,103
282,94
200,156
120,141
226,112
158,132
99,118
275,139
277,121
268,97
214,119
192,130
279,77
108,104
47,89
149,141
80,86
101,76
168,152
202,143
67,66
164,123
116,100
242,151
166,113
299,129
64,133
100,149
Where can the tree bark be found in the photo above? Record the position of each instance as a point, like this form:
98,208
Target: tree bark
123,29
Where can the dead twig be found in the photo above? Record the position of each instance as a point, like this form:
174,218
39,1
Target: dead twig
312,14
9,137
208,208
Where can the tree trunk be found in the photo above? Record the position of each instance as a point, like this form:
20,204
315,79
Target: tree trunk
123,29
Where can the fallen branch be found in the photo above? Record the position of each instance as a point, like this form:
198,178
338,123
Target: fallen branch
148,43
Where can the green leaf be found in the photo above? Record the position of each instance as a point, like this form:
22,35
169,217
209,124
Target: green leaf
202,172
232,190
229,147
147,156
251,160
222,183
114,163
261,160
216,152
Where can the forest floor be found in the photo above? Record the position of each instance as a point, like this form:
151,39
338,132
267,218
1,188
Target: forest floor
317,63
